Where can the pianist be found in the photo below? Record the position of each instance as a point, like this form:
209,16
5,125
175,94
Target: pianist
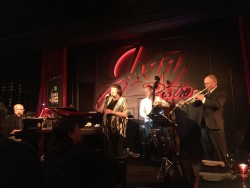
20,163
14,121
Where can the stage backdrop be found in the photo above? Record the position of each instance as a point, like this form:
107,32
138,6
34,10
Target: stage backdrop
181,60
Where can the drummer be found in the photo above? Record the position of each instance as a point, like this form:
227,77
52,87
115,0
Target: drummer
146,107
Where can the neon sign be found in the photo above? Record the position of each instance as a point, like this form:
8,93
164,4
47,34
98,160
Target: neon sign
169,66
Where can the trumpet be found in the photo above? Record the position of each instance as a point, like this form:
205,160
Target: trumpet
192,99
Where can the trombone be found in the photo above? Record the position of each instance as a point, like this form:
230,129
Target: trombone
192,99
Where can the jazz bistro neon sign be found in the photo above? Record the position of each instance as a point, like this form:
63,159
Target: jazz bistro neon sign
168,66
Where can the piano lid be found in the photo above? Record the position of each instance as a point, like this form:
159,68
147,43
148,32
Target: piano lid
69,108
68,111
83,117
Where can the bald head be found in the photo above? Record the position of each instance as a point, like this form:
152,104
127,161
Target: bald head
210,82
18,109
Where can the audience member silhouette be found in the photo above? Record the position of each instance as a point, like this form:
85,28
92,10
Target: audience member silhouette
20,164
70,163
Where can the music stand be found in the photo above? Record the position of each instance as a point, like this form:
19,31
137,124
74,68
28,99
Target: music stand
159,121
158,117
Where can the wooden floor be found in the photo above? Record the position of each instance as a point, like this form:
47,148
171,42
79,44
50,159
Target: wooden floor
141,174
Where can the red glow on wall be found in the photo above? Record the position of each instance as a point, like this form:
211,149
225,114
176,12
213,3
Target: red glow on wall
138,66
178,64
122,59
136,60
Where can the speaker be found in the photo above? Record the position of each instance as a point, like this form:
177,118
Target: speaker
241,139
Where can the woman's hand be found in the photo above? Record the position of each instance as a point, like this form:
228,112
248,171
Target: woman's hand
108,111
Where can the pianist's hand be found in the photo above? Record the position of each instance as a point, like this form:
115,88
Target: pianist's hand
14,131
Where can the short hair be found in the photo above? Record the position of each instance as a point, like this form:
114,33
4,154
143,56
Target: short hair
61,130
65,126
212,77
149,86
119,89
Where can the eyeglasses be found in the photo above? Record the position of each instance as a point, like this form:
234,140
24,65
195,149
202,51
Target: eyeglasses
21,109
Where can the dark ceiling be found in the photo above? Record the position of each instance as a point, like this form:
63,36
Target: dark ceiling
42,24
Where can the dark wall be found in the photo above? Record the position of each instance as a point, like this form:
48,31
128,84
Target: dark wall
20,80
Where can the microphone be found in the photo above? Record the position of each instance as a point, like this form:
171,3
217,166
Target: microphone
107,98
107,95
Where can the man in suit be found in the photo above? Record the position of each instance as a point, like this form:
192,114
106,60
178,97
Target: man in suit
212,120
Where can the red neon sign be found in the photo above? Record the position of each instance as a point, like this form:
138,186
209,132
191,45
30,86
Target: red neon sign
169,66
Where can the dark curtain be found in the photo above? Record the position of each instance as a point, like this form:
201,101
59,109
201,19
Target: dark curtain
54,64
244,23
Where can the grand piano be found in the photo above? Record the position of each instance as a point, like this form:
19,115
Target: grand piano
63,112
37,131
51,115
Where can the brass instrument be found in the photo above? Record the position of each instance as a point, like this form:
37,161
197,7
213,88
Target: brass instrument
189,100
192,99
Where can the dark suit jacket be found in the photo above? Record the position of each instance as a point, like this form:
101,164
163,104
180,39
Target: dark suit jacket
13,122
20,165
213,109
